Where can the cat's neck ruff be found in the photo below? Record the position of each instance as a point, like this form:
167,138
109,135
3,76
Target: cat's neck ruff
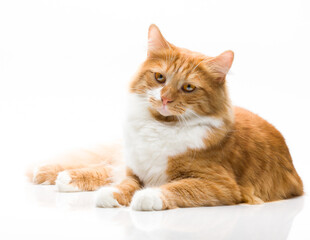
149,143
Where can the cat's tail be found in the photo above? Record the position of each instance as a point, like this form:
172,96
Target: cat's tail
106,157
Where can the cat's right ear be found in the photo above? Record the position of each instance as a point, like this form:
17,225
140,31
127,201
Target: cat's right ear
156,41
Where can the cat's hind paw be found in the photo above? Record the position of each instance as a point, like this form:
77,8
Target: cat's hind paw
147,200
64,183
105,197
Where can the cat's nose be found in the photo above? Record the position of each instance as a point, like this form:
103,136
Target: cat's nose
166,100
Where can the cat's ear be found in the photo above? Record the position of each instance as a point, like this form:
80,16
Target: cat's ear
156,41
221,64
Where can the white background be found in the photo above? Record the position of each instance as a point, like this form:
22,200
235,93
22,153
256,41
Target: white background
65,66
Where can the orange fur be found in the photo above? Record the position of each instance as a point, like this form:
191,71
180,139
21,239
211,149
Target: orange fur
245,160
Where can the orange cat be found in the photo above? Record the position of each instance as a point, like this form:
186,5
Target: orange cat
185,145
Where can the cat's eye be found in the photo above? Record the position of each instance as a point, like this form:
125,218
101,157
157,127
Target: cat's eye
160,78
187,87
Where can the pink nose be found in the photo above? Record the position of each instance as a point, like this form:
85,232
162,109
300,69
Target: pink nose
166,100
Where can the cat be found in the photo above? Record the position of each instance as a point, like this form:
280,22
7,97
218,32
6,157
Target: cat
185,144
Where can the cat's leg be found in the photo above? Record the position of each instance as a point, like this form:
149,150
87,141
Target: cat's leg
120,194
84,179
190,192
249,196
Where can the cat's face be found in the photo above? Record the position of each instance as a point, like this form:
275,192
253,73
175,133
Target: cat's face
177,82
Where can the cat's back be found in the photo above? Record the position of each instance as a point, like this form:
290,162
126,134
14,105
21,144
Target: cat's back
250,126
259,154
259,139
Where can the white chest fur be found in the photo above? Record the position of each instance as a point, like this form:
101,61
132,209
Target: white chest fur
149,143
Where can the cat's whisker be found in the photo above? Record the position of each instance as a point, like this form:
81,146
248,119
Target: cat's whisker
183,121
199,64
195,114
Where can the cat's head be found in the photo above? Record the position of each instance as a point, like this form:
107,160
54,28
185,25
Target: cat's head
176,82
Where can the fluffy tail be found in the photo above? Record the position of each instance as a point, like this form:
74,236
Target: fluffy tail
103,163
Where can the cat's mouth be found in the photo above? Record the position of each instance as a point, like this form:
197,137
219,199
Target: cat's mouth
163,110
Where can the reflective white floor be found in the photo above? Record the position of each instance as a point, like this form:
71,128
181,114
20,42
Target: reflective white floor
36,212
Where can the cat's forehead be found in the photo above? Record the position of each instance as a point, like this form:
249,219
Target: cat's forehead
171,63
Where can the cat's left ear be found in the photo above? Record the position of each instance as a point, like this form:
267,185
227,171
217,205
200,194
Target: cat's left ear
156,41
221,64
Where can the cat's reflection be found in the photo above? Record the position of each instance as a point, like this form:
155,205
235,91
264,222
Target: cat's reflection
267,221
47,196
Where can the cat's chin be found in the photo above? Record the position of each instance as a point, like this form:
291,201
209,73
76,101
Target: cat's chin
163,115
164,112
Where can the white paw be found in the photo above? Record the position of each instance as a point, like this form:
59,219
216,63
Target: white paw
63,181
105,197
147,200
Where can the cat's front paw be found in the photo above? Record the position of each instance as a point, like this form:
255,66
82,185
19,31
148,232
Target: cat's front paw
106,199
148,199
